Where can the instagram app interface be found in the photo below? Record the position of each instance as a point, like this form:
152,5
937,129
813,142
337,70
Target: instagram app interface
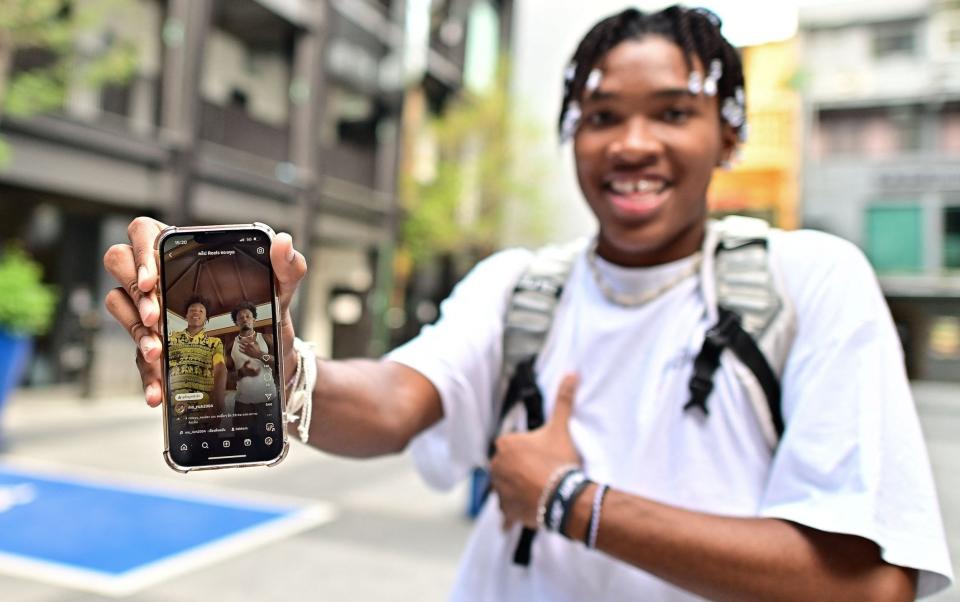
222,378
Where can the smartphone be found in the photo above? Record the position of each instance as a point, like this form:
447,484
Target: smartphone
223,394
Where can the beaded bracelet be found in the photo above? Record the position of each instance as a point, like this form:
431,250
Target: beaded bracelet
548,489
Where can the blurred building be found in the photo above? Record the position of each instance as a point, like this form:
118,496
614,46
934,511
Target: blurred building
882,101
281,111
764,181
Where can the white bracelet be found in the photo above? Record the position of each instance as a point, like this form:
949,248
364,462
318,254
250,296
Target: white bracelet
290,386
301,397
598,496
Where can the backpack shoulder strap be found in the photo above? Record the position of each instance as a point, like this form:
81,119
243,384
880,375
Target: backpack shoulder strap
754,320
527,323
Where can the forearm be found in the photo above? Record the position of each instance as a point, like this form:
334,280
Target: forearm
725,558
364,408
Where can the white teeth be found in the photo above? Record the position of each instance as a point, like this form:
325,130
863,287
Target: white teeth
628,186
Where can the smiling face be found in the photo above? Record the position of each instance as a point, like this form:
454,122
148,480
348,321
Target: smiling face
645,151
196,316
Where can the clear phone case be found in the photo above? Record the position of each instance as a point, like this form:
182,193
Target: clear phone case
167,456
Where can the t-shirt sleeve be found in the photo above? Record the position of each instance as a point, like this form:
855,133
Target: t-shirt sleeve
218,352
852,459
461,354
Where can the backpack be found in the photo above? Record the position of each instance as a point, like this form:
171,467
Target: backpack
754,328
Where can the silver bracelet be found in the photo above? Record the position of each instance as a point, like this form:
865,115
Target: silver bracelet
598,496
548,488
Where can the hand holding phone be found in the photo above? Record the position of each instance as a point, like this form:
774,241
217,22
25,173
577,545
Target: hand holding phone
136,307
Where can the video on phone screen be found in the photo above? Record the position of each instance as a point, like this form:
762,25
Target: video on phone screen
221,354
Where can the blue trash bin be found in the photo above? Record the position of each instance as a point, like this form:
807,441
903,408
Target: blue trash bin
14,351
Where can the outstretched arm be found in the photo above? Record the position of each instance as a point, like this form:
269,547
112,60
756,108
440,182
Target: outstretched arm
360,408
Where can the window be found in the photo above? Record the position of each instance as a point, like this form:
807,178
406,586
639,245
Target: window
895,39
840,134
908,124
350,117
895,237
951,237
949,128
872,133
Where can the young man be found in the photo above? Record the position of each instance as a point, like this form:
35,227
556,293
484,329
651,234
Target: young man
197,365
678,505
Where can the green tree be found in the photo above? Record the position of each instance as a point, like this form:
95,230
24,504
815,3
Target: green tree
73,45
483,160
474,168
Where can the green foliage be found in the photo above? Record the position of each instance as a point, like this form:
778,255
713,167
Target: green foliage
77,49
26,304
34,92
480,151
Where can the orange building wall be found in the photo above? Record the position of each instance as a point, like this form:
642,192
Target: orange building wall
765,181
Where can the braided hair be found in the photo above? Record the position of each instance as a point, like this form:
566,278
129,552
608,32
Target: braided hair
696,31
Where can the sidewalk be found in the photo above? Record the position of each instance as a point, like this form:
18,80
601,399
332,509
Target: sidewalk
393,538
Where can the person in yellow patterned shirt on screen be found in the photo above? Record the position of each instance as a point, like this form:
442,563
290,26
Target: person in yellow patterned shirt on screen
198,373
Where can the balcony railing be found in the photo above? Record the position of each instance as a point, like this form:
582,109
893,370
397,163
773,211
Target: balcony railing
233,127
353,164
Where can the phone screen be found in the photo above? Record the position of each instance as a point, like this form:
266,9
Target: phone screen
220,354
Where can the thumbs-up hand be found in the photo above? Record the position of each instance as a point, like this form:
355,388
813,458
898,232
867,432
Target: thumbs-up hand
524,462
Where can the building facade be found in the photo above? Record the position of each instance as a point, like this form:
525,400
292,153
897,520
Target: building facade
287,112
881,88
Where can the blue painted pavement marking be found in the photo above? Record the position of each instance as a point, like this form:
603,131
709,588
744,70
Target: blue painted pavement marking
110,530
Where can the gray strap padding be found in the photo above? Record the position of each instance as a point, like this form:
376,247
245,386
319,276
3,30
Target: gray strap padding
534,300
532,306
741,276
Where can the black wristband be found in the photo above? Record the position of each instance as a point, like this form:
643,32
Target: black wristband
555,496
568,507
570,485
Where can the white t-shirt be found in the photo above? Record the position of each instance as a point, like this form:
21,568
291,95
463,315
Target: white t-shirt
852,459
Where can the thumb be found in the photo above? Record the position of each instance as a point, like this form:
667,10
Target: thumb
563,407
289,266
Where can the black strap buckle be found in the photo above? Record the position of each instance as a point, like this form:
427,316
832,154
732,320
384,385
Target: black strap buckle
700,388
716,339
722,332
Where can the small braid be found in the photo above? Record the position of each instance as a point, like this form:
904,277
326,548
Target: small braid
696,31
684,34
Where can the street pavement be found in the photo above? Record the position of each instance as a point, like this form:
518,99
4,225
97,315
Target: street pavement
392,538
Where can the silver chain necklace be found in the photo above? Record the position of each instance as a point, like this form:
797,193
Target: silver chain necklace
637,299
